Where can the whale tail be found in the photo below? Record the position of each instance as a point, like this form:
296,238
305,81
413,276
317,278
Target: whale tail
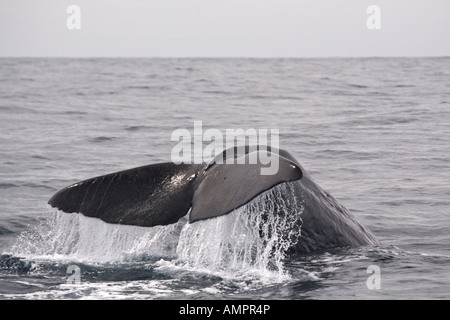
151,195
161,194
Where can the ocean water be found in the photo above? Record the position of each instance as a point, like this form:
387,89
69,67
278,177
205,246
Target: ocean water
373,132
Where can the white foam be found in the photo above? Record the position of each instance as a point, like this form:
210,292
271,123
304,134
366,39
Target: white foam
249,242
135,290
74,237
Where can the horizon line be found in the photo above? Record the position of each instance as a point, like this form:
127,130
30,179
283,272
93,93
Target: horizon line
220,57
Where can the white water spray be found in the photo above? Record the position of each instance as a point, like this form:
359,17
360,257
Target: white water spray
251,240
74,237
254,237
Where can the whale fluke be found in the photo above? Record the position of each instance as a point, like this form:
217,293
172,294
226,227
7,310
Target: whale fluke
157,194
160,194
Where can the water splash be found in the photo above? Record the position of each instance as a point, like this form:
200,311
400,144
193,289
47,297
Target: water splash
74,237
252,240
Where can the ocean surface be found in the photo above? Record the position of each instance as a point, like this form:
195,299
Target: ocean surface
373,132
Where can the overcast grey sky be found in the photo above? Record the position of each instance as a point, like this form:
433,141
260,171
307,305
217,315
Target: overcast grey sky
225,28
